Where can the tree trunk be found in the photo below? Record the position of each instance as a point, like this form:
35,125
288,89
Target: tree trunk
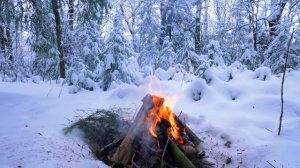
255,28
162,23
9,44
205,27
252,16
71,14
197,37
58,38
179,157
169,17
125,151
2,40
275,15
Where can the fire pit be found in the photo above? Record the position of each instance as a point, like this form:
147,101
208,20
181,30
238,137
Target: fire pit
157,138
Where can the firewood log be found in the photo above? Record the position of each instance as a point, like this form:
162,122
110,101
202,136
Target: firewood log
124,153
193,137
189,150
104,152
178,156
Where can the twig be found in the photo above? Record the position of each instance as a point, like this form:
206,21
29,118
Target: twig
268,130
179,114
49,91
61,90
283,76
132,163
162,157
271,164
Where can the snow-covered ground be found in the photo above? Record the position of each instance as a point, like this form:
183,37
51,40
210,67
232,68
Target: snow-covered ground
242,113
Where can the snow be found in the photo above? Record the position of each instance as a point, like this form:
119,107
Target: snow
197,89
165,75
242,113
262,73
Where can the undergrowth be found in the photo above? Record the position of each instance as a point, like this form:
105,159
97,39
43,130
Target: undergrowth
101,127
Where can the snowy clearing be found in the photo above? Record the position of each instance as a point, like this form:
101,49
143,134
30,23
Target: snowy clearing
242,113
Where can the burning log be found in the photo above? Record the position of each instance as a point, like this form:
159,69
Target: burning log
104,152
175,141
192,136
178,156
125,150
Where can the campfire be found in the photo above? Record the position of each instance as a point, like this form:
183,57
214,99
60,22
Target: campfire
157,138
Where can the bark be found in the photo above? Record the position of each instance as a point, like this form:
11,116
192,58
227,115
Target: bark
169,17
105,152
255,29
198,39
125,151
282,82
275,16
252,16
58,38
2,40
193,137
71,14
162,22
205,26
178,156
9,45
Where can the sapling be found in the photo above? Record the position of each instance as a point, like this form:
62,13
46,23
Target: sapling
282,82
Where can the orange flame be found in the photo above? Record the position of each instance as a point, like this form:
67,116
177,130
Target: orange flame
160,112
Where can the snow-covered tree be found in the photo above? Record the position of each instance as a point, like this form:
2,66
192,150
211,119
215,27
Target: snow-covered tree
215,53
85,64
167,56
92,10
148,30
119,58
43,40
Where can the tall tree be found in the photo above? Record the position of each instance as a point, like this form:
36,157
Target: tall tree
62,68
129,12
7,12
163,21
148,30
71,14
119,58
277,7
198,35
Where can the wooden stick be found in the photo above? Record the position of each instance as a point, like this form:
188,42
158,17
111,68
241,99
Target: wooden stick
162,157
178,157
125,151
106,149
193,137
282,82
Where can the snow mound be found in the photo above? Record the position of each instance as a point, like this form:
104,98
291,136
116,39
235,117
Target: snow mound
165,75
262,73
147,71
208,75
226,75
197,89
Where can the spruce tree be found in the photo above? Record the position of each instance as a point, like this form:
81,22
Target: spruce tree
119,58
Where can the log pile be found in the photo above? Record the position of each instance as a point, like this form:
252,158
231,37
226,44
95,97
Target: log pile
138,148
